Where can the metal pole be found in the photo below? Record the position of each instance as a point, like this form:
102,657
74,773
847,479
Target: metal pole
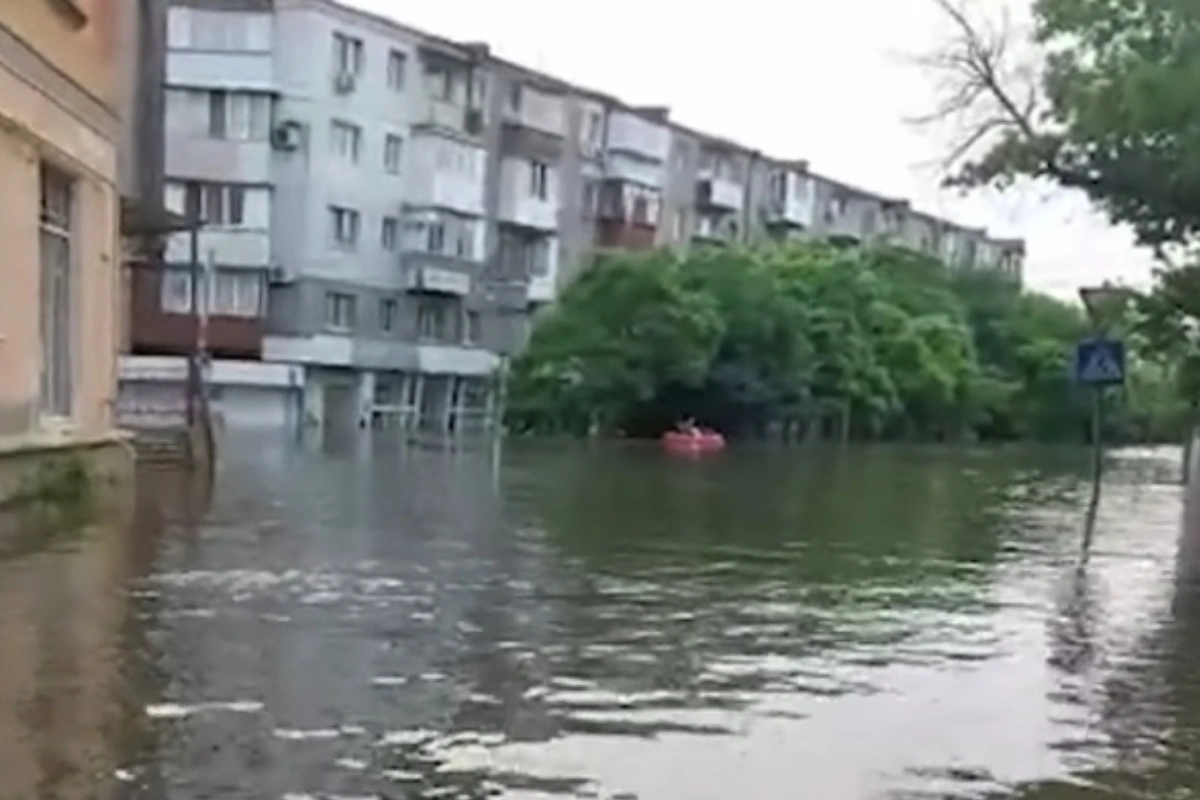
1097,435
193,358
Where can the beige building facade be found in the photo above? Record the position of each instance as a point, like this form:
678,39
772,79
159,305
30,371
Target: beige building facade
60,313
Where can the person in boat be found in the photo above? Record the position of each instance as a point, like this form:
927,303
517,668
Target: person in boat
688,427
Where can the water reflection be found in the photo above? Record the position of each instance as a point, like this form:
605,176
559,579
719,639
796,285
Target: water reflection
378,622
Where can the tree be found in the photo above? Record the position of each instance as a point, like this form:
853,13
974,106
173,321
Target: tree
753,340
1107,105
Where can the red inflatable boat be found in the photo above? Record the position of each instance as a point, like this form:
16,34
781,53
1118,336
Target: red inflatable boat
693,442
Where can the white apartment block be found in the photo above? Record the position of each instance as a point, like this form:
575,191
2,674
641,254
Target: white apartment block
388,207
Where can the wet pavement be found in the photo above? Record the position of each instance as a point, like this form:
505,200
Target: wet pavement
604,622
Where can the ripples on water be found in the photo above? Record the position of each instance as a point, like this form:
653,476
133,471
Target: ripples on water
608,624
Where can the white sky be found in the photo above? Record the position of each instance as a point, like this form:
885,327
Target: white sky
830,82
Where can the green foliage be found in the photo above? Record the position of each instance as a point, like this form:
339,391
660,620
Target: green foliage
885,342
1119,118
1113,113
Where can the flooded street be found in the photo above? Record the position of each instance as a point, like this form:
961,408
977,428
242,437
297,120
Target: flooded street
607,623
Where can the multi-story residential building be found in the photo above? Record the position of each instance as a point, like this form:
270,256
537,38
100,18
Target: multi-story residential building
629,197
385,209
60,126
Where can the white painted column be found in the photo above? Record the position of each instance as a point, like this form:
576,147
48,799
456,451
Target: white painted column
449,400
313,399
489,407
418,403
366,399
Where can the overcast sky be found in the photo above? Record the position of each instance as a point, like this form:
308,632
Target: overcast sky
829,82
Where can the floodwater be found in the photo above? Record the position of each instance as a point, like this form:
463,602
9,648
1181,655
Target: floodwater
607,623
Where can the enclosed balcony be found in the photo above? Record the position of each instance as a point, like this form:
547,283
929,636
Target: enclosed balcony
446,173
717,192
453,95
422,277
791,200
440,252
639,137
528,107
529,194
215,48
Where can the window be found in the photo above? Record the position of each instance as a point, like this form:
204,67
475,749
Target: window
437,237
389,233
641,210
539,179
215,203
591,198
56,237
441,84
387,314
473,328
779,187
345,140
514,97
464,241
347,54
218,105
396,68
340,310
237,293
344,224
431,321
238,116
595,131
870,222
176,294
393,149
680,225
217,30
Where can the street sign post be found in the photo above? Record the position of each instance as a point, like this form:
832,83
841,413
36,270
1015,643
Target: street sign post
1100,362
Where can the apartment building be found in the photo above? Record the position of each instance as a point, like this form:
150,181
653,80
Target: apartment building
385,210
60,124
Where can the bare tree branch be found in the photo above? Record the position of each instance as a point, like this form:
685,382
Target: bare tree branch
981,88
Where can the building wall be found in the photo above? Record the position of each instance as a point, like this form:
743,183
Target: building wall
582,136
77,132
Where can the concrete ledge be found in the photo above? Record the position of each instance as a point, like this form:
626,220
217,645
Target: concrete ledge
57,469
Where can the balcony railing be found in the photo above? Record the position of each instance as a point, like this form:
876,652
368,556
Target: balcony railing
716,192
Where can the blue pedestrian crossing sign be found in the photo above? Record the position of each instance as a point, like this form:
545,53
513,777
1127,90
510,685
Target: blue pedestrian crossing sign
1100,362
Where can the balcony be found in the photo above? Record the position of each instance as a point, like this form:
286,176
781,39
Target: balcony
449,115
154,331
199,158
230,70
639,137
436,280
543,289
519,204
719,193
536,110
631,203
792,201
229,248
445,173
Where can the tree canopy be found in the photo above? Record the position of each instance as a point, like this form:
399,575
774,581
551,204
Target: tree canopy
879,343
1104,103
1111,109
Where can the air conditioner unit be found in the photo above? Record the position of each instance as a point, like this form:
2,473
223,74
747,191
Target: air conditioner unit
278,276
287,136
345,82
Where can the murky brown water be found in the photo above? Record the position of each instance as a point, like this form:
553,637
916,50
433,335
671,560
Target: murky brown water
883,623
